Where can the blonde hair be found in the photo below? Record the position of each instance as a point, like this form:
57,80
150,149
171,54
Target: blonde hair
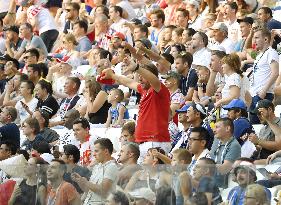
71,38
258,192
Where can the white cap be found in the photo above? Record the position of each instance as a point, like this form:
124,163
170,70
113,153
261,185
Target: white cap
143,193
217,48
47,157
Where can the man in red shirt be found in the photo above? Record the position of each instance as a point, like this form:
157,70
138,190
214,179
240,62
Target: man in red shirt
152,124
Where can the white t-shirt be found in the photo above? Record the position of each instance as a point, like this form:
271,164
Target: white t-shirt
234,33
197,24
202,57
45,20
228,45
262,71
128,8
23,114
4,5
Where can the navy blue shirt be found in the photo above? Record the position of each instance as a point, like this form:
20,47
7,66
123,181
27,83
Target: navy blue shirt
241,127
190,81
27,144
10,132
273,24
208,184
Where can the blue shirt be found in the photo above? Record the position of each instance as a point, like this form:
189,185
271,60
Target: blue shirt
190,81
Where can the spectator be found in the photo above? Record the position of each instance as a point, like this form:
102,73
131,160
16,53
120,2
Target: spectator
31,130
157,19
104,174
262,80
182,16
13,41
231,21
225,149
129,12
256,193
195,21
34,73
9,130
80,30
143,196
46,101
128,132
266,16
72,15
8,150
61,192
165,196
28,104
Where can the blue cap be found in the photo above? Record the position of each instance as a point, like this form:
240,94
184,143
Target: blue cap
183,109
236,103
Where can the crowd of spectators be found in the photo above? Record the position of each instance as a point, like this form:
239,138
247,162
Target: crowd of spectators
189,91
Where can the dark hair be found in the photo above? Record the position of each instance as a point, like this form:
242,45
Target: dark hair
118,9
30,85
227,122
34,52
152,68
186,58
171,27
120,197
28,26
159,14
46,116
179,47
134,148
46,85
267,10
143,29
70,149
44,69
211,165
36,68
243,112
184,11
159,149
83,121
233,6
76,81
168,57
219,54
204,38
105,10
24,153
120,94
11,146
130,127
23,76
62,164
204,135
41,147
165,195
105,54
246,159
34,124
199,198
82,24
105,143
190,31
75,6
12,112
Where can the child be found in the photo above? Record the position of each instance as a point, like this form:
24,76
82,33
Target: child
117,112
128,132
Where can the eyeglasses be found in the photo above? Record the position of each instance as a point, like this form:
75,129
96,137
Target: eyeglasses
195,139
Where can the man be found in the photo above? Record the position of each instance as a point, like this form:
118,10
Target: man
10,69
104,174
71,88
140,32
31,56
72,16
71,157
81,128
7,150
182,16
189,77
30,41
61,192
230,10
102,31
34,73
198,142
152,126
80,29
51,136
268,141
245,175
265,71
237,111
157,19
203,179
225,149
245,29
128,157
13,41
9,131
220,35
201,55
216,78
266,16
196,20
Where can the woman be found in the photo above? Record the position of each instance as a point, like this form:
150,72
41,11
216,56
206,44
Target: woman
176,49
29,191
95,105
236,85
255,194
149,176
118,198
43,91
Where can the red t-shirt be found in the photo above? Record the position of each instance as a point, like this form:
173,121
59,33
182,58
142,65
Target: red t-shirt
153,120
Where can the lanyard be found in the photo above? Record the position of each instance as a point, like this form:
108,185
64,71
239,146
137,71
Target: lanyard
52,201
227,145
255,67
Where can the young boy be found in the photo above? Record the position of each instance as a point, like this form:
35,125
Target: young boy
117,112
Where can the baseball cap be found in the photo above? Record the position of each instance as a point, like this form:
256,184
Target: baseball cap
119,35
171,74
248,20
263,104
235,103
200,108
217,48
12,28
220,26
143,193
248,166
183,109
